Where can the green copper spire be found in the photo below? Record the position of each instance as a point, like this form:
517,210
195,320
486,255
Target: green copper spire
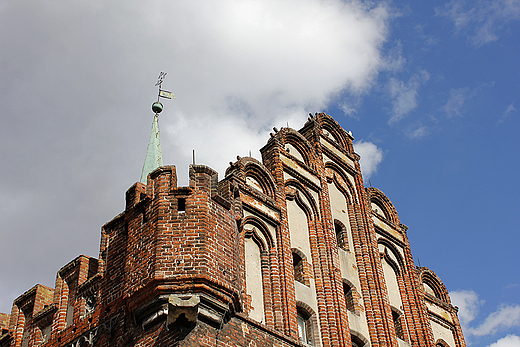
153,154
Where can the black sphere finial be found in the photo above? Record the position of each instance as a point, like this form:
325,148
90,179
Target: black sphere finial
157,107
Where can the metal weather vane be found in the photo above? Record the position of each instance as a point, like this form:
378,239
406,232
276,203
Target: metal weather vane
157,107
153,158
160,79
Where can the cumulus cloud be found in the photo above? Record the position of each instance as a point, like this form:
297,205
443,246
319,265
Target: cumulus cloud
468,304
508,341
77,80
371,157
404,95
269,63
505,317
484,21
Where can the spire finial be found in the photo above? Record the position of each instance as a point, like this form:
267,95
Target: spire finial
153,154
157,107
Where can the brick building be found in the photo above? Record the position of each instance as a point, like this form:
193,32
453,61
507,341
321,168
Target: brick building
290,251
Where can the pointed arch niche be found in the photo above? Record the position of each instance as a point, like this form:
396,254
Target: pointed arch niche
296,146
257,177
393,267
341,196
256,245
391,261
301,209
382,206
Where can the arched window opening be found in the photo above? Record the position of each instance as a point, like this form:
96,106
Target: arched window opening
341,240
339,234
397,317
356,341
349,297
441,343
305,331
298,265
433,286
392,271
329,135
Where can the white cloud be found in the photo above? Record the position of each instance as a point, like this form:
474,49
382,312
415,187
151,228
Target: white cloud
502,319
418,132
510,109
456,101
395,59
266,63
468,304
404,95
371,157
348,109
484,21
508,341
506,317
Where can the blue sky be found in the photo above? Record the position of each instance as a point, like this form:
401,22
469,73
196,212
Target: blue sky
430,91
447,124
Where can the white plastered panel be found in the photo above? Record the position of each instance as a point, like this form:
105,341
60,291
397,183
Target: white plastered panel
392,285
254,283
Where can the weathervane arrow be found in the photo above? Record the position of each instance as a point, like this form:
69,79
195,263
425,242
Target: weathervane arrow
160,79
157,106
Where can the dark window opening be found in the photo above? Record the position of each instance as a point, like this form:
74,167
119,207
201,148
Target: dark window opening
298,268
340,235
356,341
181,204
349,298
305,331
398,324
